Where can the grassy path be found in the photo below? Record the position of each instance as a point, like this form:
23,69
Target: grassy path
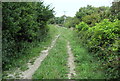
87,66
55,66
65,58
71,64
25,62
32,68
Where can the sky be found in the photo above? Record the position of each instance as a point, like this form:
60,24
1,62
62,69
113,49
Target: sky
70,7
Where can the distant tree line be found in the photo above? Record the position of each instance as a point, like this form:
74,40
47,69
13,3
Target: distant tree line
90,15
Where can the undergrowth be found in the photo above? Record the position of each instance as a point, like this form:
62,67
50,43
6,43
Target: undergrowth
30,54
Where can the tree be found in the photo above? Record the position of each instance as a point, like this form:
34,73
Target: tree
115,9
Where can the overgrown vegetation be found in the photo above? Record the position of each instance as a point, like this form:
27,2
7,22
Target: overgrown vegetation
24,26
55,64
25,33
34,52
92,15
86,66
98,30
103,40
89,15
115,10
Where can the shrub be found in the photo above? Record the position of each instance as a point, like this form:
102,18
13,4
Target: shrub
82,26
103,40
24,23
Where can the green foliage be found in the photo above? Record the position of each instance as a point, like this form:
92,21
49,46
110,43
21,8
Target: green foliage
91,19
23,25
82,26
115,10
71,22
86,66
65,21
103,39
33,53
92,15
57,20
85,11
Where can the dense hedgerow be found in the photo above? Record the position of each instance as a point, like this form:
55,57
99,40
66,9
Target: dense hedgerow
24,24
103,39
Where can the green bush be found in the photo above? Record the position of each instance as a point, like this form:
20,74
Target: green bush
91,19
71,22
82,26
92,15
103,40
24,23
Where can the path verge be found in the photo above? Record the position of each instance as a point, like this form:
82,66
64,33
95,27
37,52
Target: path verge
32,68
71,64
55,64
